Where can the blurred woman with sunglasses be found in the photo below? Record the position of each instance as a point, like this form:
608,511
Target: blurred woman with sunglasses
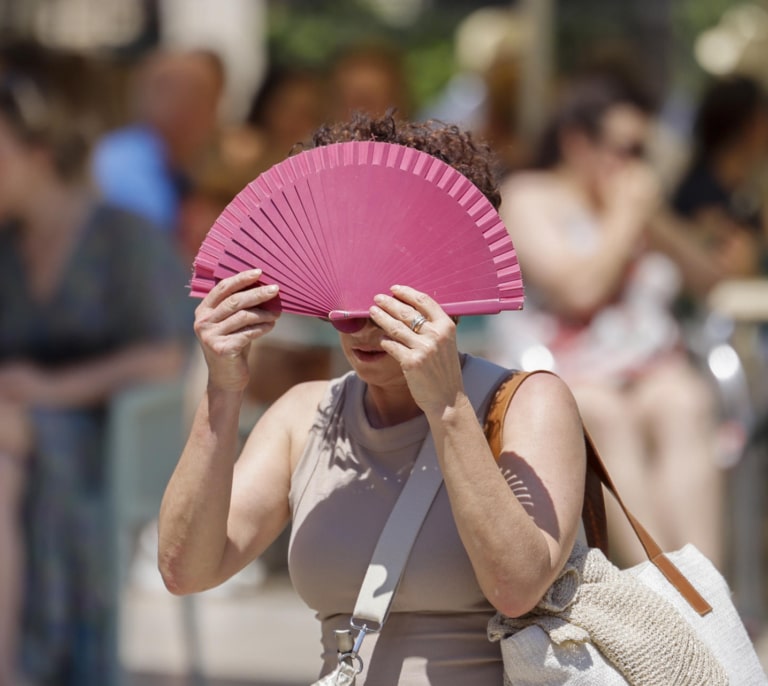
585,224
88,305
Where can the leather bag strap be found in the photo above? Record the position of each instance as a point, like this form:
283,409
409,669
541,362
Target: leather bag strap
593,511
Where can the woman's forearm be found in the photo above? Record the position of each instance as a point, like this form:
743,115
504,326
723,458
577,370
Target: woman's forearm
587,282
93,382
510,555
195,507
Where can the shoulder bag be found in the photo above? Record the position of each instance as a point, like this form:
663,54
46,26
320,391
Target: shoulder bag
668,621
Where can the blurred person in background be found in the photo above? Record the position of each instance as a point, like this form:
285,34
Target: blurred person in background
720,195
370,78
583,224
499,125
285,110
145,167
213,184
90,303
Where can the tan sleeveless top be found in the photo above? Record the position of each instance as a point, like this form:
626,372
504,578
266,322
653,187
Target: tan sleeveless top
342,492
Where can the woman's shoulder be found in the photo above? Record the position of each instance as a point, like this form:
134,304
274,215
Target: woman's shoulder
543,410
307,393
300,404
545,396
529,185
528,198
298,409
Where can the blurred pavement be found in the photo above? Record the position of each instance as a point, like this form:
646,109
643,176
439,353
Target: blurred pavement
261,637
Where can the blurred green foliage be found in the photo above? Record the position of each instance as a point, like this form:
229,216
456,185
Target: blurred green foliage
689,19
310,33
659,34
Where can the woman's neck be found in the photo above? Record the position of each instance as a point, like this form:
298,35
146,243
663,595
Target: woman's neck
389,405
576,187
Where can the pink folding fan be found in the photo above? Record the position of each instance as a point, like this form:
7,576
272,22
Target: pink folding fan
335,225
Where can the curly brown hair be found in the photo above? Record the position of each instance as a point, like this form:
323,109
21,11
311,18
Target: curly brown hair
448,143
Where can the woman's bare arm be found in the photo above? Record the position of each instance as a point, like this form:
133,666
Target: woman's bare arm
707,249
92,382
194,516
574,278
221,510
517,532
517,519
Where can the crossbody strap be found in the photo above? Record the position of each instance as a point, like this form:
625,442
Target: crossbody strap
593,512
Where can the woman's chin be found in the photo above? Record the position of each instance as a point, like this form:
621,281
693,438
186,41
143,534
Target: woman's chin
374,366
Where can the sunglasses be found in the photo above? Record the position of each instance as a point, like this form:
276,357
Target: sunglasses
355,324
352,325
630,151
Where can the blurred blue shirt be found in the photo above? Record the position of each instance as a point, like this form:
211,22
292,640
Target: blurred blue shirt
131,168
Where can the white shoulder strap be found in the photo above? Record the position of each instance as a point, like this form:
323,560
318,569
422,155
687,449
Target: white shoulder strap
400,532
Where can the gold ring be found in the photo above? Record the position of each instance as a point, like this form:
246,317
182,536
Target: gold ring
418,322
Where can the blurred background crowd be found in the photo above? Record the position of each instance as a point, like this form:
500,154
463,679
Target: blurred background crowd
632,141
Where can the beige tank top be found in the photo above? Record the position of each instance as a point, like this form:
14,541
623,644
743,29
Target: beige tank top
342,492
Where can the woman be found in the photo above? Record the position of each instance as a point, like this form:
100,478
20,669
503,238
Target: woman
585,223
89,304
720,193
332,456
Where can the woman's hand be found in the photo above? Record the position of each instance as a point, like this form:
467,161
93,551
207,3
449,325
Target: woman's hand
227,321
632,191
427,351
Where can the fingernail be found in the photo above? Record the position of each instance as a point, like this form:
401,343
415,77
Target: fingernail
379,298
396,287
374,309
272,288
255,272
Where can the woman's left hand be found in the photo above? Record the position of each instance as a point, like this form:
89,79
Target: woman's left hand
422,338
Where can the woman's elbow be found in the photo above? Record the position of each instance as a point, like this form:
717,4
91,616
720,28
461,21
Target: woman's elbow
514,603
516,595
178,575
176,582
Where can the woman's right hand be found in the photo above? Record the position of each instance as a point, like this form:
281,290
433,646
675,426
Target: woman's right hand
633,191
227,321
